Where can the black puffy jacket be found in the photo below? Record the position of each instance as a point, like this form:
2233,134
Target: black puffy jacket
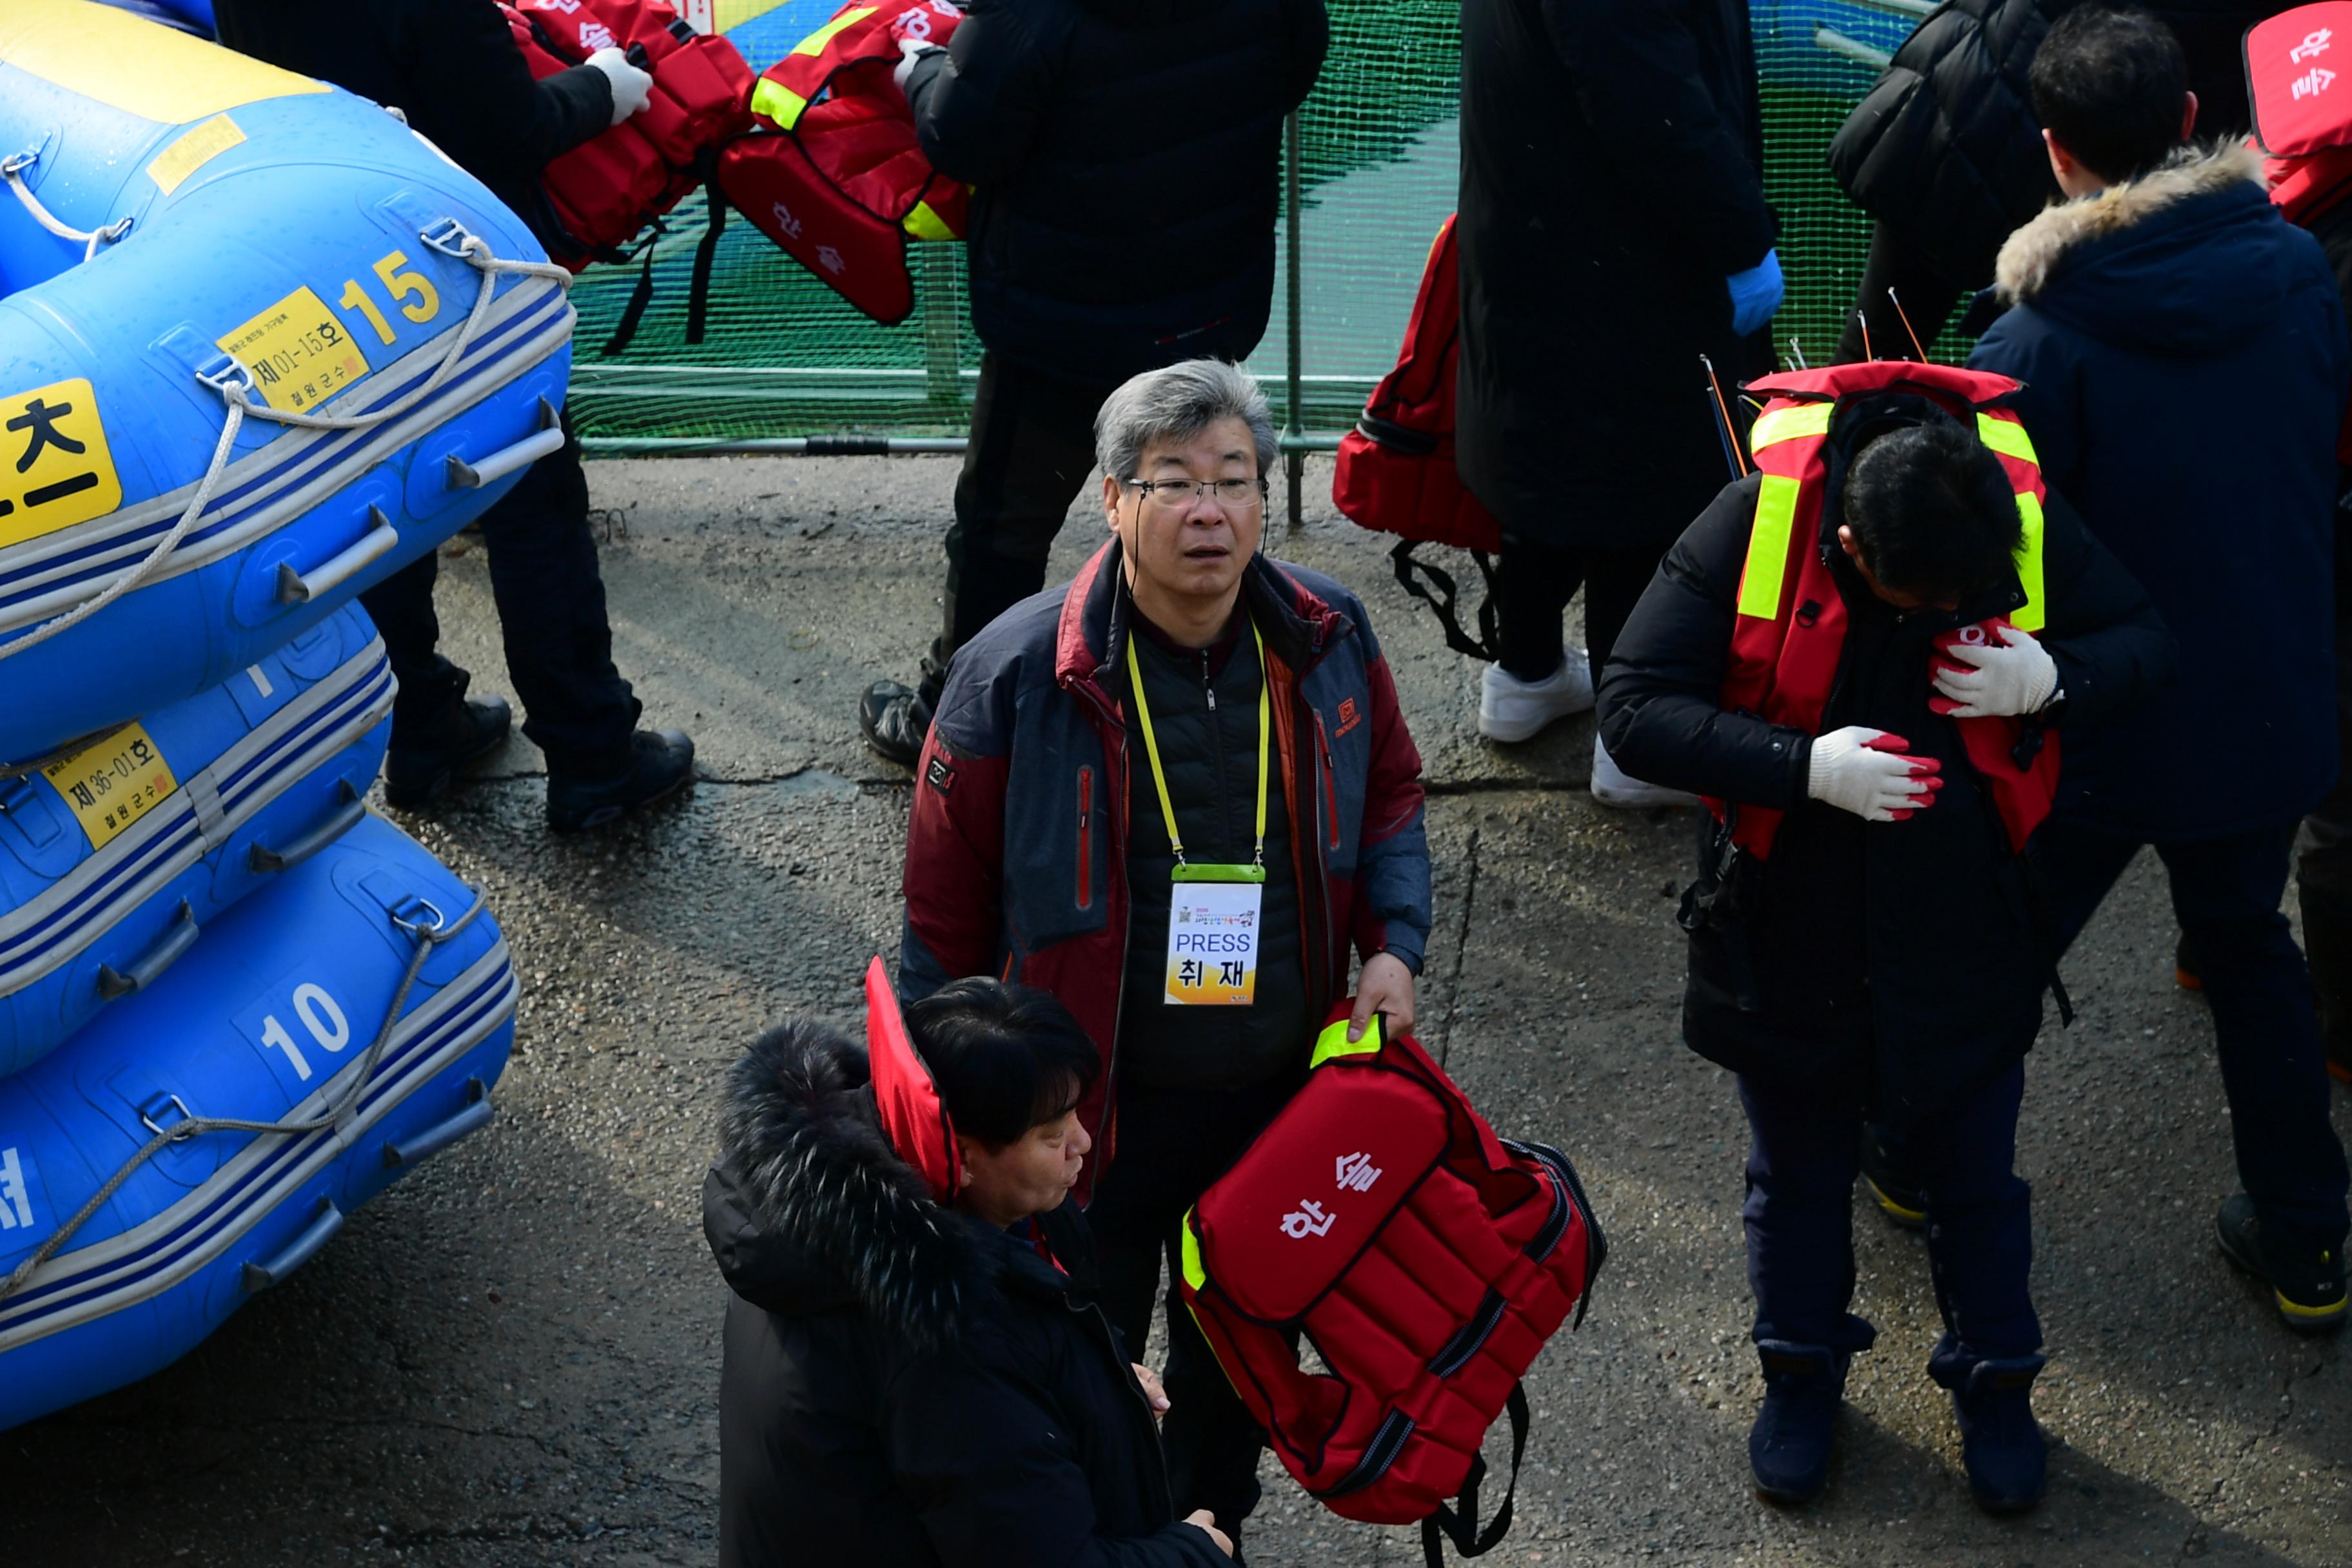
1946,149
1915,940
452,68
1124,155
905,1386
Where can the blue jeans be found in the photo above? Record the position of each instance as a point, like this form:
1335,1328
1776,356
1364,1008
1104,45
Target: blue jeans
1806,1151
2225,893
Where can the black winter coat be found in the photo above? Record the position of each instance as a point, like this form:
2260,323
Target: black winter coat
452,68
1946,150
2185,362
1915,941
1126,156
1611,181
905,1386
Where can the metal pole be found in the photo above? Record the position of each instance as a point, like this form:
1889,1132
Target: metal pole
1294,423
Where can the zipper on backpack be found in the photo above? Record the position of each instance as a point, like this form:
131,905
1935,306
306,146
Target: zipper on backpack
1085,838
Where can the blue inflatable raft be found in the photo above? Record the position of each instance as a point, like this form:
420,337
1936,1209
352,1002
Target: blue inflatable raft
260,345
112,861
275,1020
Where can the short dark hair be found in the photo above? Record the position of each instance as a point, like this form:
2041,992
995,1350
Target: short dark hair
1005,1057
2112,85
1932,512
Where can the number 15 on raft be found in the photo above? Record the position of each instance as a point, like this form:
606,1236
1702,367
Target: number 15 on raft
411,291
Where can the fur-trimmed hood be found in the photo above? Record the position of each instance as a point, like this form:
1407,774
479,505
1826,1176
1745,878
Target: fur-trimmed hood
2188,258
808,1209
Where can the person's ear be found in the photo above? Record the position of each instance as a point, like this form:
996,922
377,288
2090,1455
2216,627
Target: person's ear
2062,162
1110,501
965,1149
1846,542
2188,117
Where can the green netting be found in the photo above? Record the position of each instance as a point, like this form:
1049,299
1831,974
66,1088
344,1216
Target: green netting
1378,168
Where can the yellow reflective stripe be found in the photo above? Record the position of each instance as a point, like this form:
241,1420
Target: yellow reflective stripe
2030,616
2008,437
1194,1275
778,102
1768,548
1334,1042
1788,424
815,42
925,223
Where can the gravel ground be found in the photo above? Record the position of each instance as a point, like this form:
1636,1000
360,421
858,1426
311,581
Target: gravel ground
511,1358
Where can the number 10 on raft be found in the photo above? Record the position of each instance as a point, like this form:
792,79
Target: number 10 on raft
295,1018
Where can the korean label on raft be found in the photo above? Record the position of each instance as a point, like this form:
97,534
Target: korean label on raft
299,355
112,784
55,469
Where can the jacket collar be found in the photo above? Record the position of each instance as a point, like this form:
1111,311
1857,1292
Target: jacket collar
1091,638
2033,254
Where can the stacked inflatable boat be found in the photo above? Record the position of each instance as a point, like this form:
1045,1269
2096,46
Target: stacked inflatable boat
259,347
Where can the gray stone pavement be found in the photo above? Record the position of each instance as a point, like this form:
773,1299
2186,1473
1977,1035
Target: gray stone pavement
511,1358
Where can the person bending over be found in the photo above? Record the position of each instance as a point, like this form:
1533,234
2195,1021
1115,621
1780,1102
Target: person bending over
1875,948
913,1383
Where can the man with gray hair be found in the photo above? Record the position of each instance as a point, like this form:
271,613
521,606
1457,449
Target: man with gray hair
1175,793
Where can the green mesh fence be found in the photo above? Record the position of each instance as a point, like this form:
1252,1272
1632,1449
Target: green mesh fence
1377,171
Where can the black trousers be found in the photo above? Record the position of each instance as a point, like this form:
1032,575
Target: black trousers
1172,1144
2225,893
1031,451
1534,583
2322,873
1926,296
551,600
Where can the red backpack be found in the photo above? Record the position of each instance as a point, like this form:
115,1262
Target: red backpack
838,178
1426,1260
609,189
1396,473
2305,131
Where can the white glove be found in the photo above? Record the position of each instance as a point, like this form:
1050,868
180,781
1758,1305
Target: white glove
909,51
631,87
1865,771
2014,676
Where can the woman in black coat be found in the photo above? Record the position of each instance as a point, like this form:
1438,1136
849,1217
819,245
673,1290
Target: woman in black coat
1611,188
913,1385
1946,152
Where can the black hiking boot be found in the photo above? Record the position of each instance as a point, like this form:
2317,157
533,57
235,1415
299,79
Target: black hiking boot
2307,1278
415,775
895,718
661,762
2002,1444
1789,1446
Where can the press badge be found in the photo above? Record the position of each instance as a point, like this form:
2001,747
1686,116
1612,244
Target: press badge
1212,928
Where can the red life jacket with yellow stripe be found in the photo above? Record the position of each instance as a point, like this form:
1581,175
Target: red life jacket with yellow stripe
839,181
1791,619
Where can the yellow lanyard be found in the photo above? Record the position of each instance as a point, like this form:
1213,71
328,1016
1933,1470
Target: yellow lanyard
1151,745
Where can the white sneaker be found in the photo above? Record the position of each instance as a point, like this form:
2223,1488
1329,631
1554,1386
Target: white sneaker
1612,786
1511,710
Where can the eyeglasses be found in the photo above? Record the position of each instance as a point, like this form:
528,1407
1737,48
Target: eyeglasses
1233,495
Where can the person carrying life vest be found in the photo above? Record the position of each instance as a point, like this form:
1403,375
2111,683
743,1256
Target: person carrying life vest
836,177
1861,654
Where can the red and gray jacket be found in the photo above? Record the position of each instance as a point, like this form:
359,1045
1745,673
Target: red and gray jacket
1016,855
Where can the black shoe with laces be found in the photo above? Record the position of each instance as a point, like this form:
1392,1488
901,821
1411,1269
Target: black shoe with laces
895,718
414,775
2307,1278
661,762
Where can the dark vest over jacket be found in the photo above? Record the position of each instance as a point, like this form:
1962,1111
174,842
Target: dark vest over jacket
452,67
1914,942
1610,183
1126,155
907,1386
1211,758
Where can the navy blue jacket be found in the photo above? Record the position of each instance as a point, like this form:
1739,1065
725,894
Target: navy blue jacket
2185,362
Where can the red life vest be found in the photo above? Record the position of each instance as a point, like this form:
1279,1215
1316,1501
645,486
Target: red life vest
1427,1261
1791,619
607,190
2304,129
1396,473
839,181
